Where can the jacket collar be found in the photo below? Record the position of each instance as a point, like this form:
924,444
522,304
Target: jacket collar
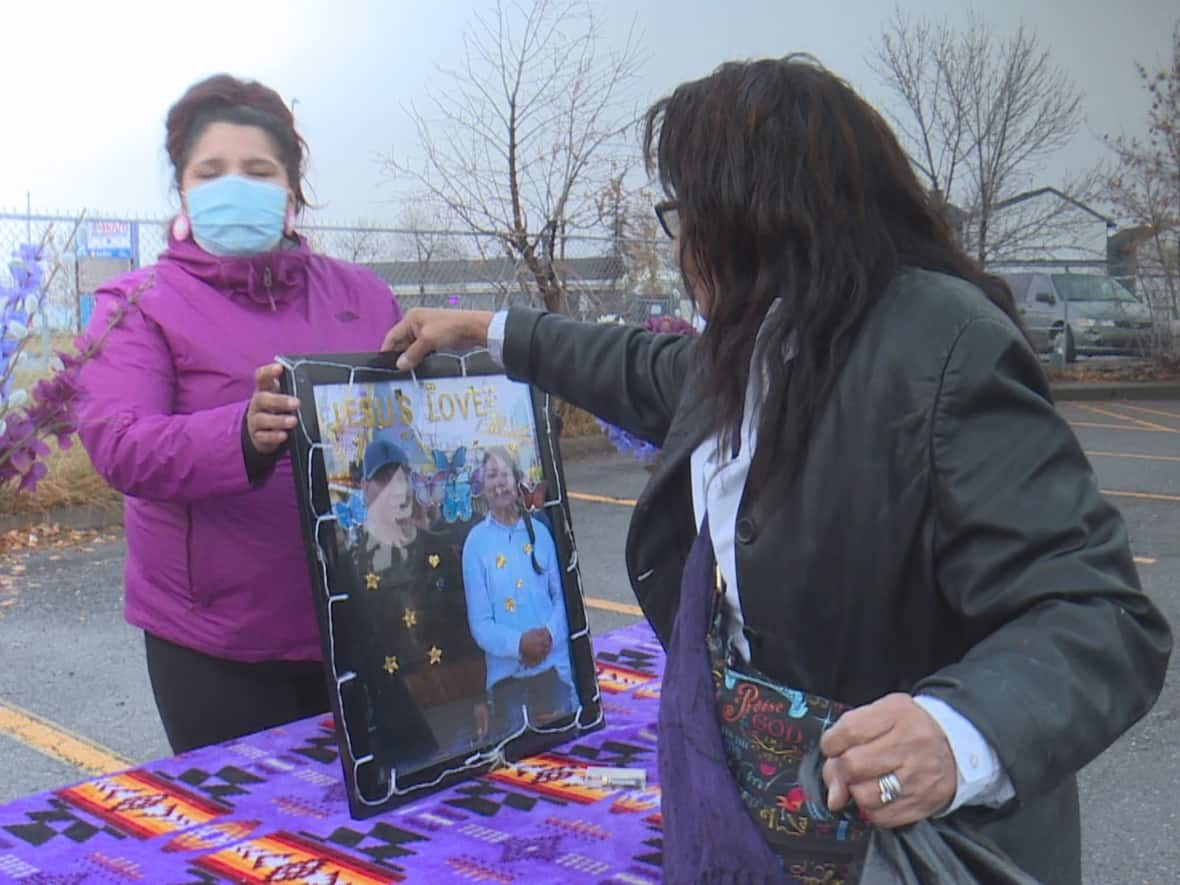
269,279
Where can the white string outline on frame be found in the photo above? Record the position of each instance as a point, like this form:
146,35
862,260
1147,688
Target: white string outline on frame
493,756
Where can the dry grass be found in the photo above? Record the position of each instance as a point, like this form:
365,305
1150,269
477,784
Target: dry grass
71,481
1163,367
576,422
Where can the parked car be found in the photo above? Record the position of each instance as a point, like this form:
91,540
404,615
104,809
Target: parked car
1095,314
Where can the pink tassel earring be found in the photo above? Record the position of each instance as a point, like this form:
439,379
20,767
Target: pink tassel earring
289,223
180,228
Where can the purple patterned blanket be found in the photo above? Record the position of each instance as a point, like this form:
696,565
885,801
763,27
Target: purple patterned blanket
271,808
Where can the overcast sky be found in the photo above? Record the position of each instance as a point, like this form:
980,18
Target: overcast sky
84,86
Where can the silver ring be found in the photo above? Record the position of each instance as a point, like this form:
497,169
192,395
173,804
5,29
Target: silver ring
890,787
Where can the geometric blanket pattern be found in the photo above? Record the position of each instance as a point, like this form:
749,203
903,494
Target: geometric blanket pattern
271,807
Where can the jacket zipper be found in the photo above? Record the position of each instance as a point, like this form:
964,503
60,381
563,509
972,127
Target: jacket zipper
188,555
267,279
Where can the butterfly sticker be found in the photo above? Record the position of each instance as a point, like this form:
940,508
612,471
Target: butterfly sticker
452,465
532,497
350,513
457,503
430,488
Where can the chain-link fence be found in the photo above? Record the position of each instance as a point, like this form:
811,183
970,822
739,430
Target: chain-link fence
631,279
595,276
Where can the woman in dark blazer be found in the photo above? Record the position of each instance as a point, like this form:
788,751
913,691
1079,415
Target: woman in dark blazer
903,521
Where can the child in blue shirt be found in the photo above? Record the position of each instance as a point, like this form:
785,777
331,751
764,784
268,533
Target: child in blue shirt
516,606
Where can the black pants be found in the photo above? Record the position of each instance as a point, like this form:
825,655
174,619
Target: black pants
206,700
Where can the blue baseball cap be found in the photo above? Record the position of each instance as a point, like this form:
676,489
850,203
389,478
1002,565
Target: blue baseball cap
382,453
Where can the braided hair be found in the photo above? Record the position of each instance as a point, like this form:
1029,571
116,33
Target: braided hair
502,454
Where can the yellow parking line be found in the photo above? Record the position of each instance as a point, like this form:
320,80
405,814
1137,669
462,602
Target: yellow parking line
56,742
1118,427
1163,412
1110,413
1133,455
1144,560
618,607
602,499
1150,496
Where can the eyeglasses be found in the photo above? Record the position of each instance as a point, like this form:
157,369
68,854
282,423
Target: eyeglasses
668,212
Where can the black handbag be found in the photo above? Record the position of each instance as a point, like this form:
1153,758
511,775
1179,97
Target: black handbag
929,852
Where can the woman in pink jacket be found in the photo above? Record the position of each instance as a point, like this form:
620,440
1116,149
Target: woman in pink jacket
180,418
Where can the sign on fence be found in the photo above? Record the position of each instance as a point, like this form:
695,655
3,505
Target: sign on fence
106,239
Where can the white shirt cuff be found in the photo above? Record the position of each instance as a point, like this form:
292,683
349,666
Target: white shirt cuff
496,336
981,778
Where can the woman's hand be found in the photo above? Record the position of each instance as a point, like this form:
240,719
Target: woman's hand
892,735
270,417
424,330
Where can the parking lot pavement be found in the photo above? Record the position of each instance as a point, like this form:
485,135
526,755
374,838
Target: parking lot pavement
1128,804
67,658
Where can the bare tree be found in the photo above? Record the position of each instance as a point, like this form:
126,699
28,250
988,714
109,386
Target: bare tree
424,238
918,61
360,243
427,234
639,245
1146,185
980,116
517,141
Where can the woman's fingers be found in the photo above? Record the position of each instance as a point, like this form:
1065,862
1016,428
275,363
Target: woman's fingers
425,330
400,336
270,421
268,441
273,402
267,377
891,736
414,354
269,417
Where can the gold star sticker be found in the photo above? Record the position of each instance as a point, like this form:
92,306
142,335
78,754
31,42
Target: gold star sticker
435,654
434,560
372,582
391,666
519,583
509,604
501,560
528,548
410,618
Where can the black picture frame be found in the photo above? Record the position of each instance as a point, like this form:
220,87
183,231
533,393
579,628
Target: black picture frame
374,698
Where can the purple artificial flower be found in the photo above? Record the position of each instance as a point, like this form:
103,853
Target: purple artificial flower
52,410
18,305
670,325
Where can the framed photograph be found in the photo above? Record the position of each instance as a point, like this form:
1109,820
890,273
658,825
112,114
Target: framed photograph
444,569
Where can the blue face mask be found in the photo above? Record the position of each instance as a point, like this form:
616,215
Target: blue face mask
237,217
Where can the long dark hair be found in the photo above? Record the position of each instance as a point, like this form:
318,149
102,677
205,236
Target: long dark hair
790,186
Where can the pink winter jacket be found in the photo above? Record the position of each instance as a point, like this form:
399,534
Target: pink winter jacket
214,563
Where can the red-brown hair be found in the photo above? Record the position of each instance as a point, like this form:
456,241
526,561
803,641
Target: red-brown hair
225,99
